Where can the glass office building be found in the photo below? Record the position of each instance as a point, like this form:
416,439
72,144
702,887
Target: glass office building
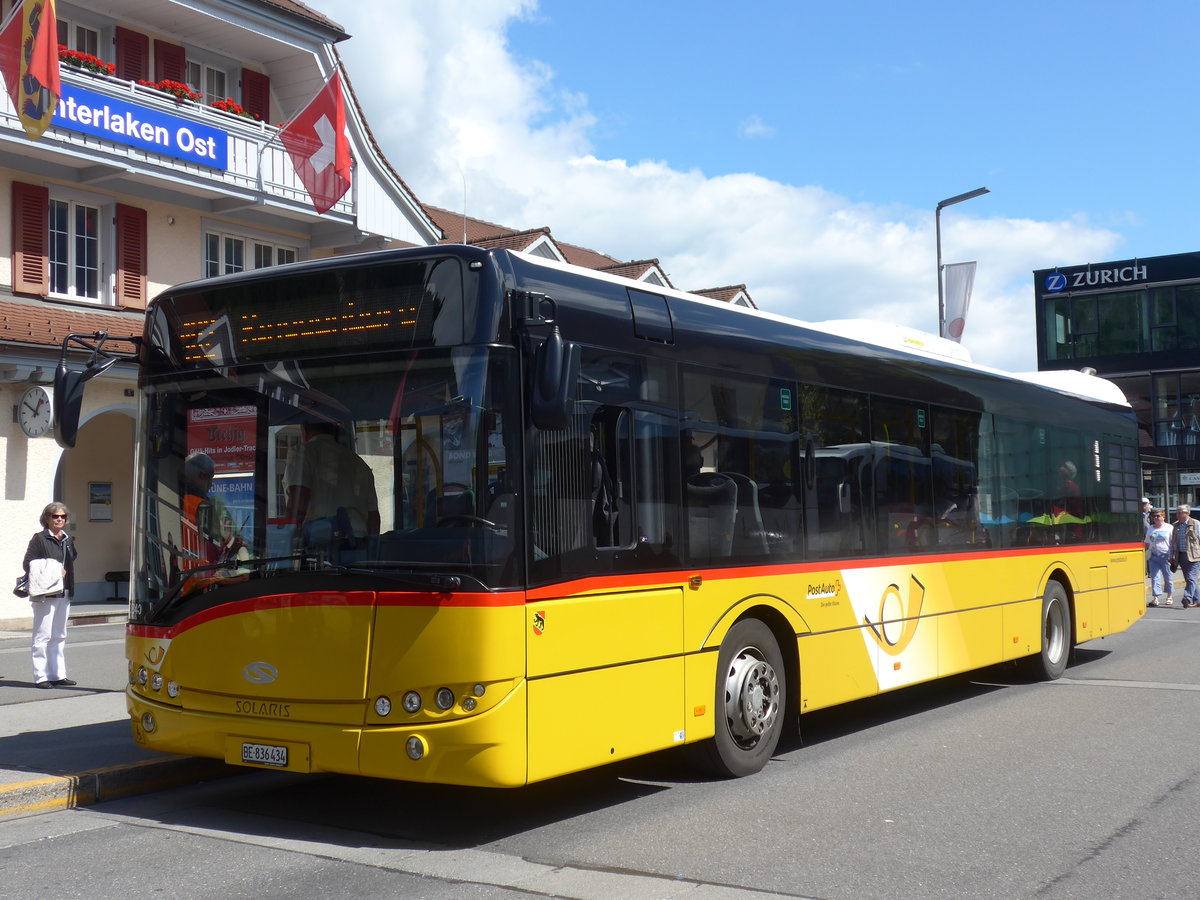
1137,323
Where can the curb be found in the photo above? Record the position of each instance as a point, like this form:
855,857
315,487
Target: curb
76,618
55,792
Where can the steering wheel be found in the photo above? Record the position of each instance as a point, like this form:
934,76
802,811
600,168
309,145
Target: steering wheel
469,519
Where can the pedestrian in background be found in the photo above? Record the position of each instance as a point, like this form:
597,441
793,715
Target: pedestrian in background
1185,550
1158,556
50,565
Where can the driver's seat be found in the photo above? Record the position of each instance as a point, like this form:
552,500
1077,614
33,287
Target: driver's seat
456,501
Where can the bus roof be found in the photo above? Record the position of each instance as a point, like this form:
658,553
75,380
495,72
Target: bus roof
894,337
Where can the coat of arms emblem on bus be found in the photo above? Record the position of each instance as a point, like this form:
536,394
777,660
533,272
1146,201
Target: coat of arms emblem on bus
539,622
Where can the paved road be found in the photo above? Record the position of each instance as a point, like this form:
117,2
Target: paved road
985,787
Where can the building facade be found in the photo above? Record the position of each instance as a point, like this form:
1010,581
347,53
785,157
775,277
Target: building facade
1137,323
142,182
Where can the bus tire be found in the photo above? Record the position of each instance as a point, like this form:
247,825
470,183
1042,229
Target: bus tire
1051,661
751,701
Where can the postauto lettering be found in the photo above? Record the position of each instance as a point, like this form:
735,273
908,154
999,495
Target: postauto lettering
136,126
1060,281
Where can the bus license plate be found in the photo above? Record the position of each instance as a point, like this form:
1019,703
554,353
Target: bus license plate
265,755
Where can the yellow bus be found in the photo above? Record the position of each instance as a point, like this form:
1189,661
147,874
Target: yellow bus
472,517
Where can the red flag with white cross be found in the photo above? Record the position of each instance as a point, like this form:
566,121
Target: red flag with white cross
317,144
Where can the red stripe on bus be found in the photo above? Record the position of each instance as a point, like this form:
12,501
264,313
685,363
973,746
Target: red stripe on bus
651,580
327,598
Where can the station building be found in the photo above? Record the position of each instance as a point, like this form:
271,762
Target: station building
138,185
1137,323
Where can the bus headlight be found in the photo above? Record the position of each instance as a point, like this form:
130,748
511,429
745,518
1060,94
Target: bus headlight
444,698
143,676
415,748
383,706
156,681
148,723
172,689
411,702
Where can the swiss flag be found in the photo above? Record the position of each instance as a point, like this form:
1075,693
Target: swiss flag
317,143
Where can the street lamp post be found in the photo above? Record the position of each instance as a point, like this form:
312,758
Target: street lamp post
937,227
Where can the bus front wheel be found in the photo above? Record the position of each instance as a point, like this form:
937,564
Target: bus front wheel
1051,662
751,697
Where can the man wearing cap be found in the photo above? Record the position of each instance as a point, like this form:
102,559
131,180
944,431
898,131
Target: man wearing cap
1185,550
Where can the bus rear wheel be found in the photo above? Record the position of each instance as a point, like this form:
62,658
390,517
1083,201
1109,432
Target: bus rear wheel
751,697
1051,662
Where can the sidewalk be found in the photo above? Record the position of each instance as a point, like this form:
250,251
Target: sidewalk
68,751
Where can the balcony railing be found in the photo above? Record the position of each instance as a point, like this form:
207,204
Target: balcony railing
255,164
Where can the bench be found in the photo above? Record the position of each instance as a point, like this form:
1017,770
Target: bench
115,579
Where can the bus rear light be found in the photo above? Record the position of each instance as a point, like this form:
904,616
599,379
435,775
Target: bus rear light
383,706
411,702
415,747
444,698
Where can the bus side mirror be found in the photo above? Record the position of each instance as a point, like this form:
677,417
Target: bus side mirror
68,399
555,375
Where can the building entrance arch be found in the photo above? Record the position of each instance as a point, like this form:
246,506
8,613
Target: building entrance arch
95,480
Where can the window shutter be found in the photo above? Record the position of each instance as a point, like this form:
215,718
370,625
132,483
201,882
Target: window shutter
256,94
31,224
133,55
170,61
131,257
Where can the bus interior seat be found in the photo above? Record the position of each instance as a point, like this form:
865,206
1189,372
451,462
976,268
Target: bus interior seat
712,510
749,534
453,500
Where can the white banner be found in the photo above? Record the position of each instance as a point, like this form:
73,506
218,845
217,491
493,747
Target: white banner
959,279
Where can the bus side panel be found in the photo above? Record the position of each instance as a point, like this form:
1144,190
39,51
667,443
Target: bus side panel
969,639
606,675
1091,605
835,667
1126,588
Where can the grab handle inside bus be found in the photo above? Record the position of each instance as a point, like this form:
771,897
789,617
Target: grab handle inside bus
555,374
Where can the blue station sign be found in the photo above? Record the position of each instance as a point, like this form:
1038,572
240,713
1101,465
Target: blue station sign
136,126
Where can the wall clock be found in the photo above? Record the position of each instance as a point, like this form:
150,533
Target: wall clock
35,413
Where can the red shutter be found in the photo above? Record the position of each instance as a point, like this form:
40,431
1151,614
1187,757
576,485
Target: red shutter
133,55
131,257
31,233
256,94
170,61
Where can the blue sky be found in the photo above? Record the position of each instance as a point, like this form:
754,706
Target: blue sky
800,147
1063,109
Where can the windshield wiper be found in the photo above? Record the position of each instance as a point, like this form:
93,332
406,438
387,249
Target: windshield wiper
447,584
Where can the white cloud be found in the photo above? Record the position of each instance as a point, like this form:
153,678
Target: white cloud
754,127
446,99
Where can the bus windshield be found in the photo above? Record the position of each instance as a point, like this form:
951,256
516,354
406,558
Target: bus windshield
396,467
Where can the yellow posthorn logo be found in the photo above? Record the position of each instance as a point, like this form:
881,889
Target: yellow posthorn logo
897,619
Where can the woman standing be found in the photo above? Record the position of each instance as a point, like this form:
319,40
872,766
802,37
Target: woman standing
50,565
